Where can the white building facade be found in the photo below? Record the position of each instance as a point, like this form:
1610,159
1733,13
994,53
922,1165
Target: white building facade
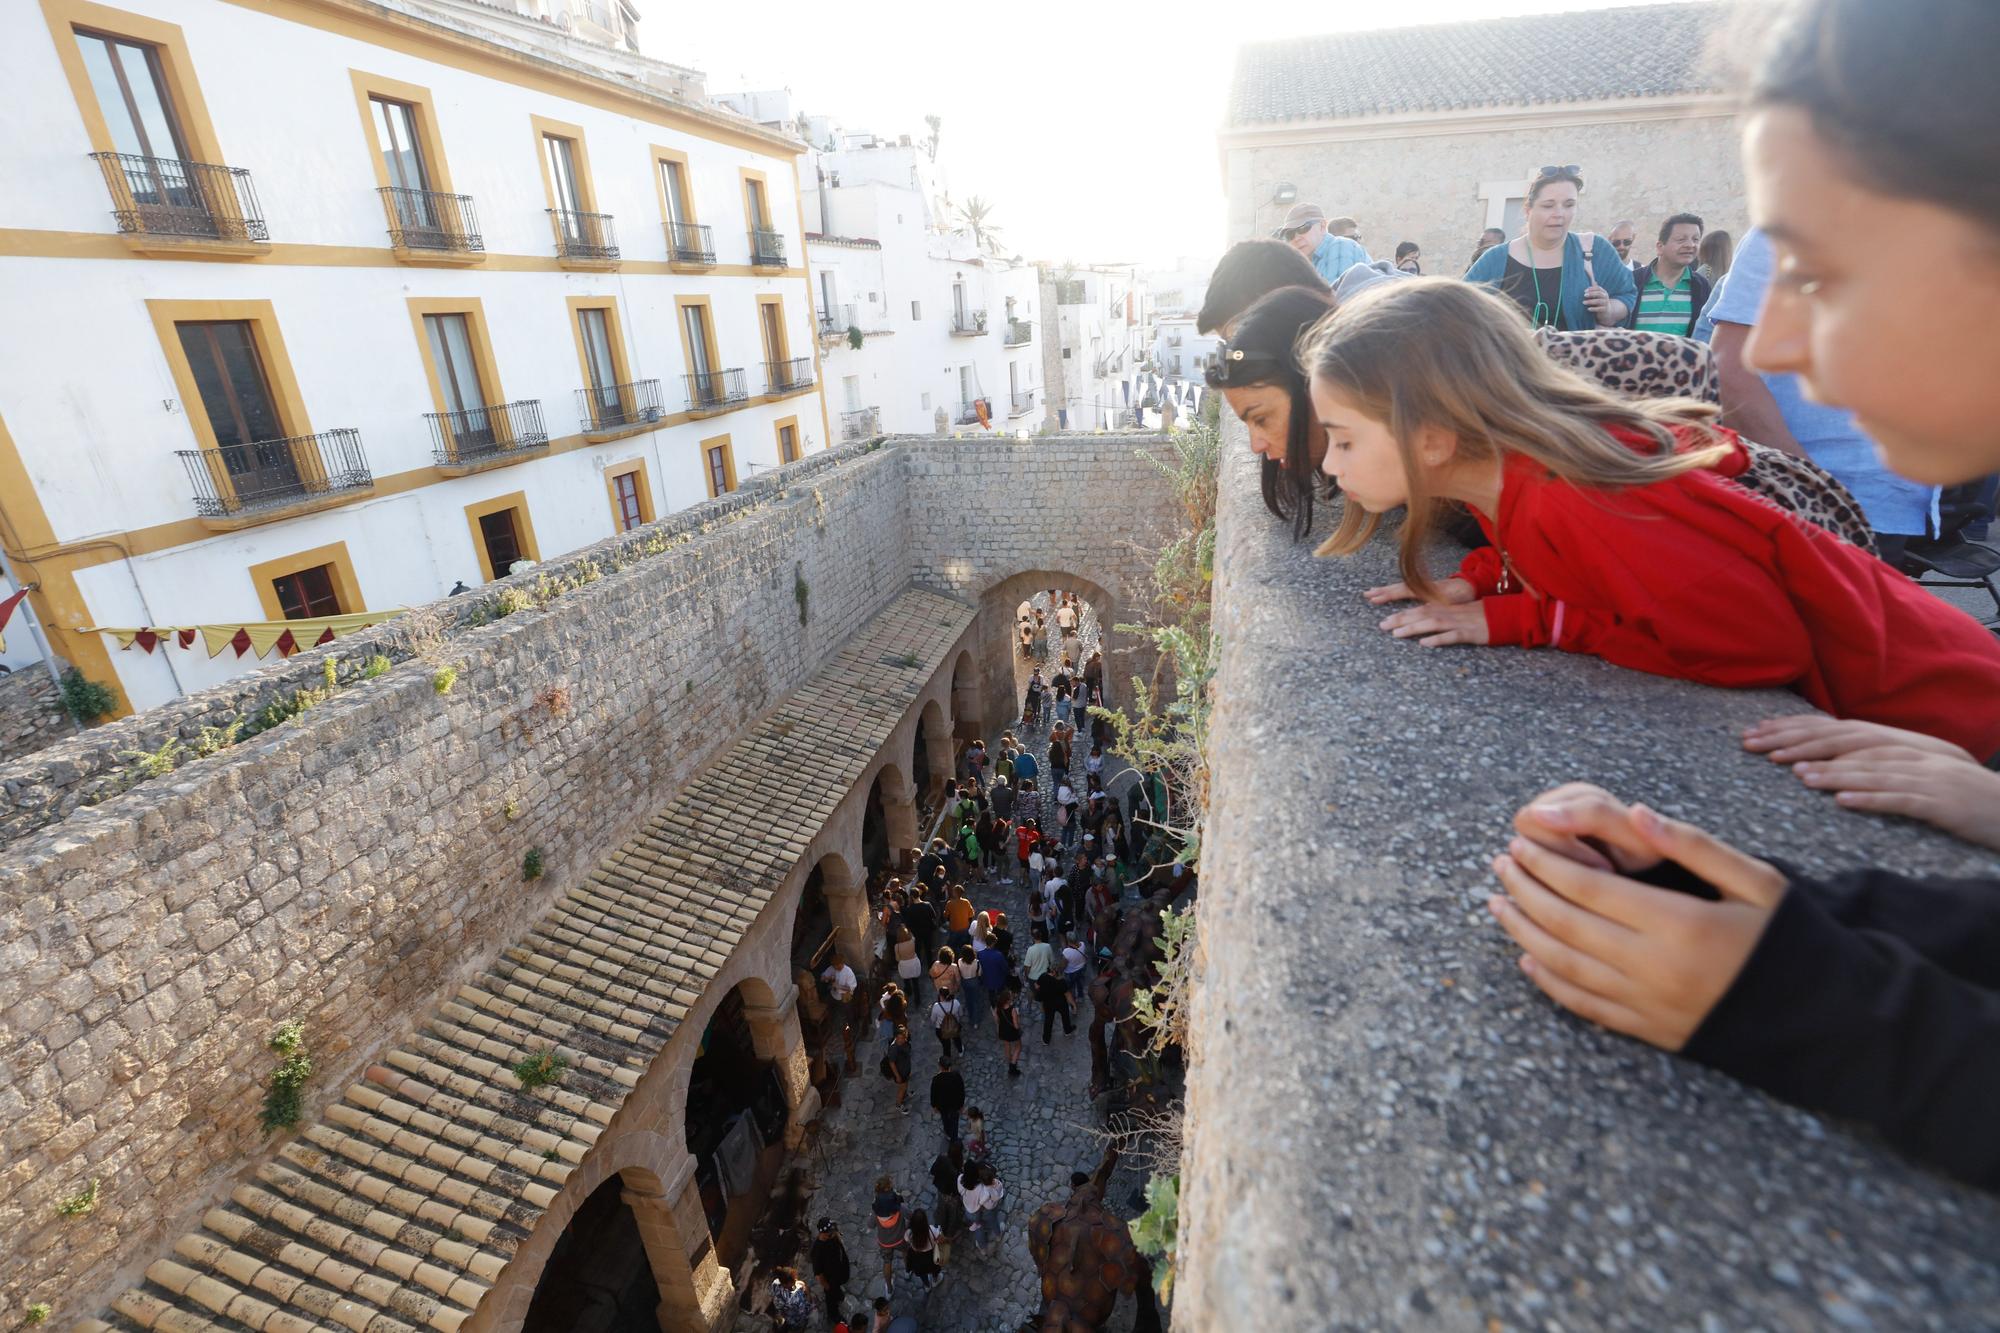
1098,346
325,308
916,319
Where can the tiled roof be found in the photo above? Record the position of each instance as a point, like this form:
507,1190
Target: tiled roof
400,1209
1588,56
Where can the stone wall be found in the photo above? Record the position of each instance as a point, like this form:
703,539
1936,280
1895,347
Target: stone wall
1391,1127
31,713
351,866
1425,188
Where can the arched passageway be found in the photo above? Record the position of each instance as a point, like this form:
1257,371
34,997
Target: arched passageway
598,1278
933,755
735,1124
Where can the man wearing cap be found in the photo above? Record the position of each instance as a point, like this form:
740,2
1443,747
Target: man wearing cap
1305,230
831,1268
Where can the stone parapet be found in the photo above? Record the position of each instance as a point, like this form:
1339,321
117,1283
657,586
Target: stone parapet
1390,1126
31,713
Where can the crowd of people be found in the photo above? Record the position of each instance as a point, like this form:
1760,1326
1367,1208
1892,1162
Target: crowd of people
1720,463
1035,816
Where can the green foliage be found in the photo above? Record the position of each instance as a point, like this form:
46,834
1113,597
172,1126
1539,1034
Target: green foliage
216,739
540,1069
531,864
284,1098
376,666
1157,1230
512,600
854,336
587,571
800,591
85,699
80,1204
38,1313
155,763
283,709
512,810
330,669
1162,1007
444,679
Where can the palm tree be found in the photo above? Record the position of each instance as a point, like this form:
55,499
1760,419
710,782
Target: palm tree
976,214
931,144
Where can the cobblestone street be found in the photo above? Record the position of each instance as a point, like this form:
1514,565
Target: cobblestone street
1036,1125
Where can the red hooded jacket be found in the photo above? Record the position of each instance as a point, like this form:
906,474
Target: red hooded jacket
1698,578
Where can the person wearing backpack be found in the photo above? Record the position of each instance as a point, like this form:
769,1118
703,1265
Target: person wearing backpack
1559,278
947,1095
948,1021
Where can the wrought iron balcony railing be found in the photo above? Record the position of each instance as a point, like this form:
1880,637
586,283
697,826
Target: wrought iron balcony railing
968,323
835,321
713,390
482,434
618,406
429,220
785,376
864,423
267,474
690,243
164,196
584,236
1020,404
1019,331
767,248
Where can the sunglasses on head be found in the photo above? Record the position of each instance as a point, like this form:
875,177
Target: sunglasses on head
1229,367
1570,170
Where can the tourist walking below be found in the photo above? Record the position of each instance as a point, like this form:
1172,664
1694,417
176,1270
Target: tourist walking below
832,1268
892,1012
920,1248
890,1226
1007,1026
949,1217
1558,278
792,1305
1053,994
896,1065
971,994
909,964
947,1096
948,1021
1076,968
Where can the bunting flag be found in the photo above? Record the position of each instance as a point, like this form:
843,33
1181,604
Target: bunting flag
7,614
253,636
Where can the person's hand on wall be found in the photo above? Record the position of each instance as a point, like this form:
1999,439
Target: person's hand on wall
1451,592
1959,797
1817,736
1647,962
1438,625
1588,825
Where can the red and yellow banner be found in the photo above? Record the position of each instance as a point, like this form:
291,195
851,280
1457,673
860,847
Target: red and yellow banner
249,636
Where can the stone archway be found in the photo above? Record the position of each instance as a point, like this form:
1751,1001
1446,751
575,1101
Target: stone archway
932,753
599,1277
997,647
735,1113
968,711
888,819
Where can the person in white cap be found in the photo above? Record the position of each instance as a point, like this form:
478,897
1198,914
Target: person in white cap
1304,229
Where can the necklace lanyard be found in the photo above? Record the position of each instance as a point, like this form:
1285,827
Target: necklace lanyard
1540,314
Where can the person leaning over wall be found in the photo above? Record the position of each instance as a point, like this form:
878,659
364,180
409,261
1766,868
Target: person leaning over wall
1866,994
1559,277
1249,271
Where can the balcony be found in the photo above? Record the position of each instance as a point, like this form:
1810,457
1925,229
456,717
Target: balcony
240,484
715,391
426,227
1019,333
164,204
477,438
610,409
767,248
835,321
584,240
968,323
690,245
1020,404
788,376
968,413
863,423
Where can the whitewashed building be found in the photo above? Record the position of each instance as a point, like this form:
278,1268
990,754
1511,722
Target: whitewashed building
326,308
1098,345
917,322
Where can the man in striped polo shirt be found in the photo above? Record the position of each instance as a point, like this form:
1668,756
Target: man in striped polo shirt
1671,293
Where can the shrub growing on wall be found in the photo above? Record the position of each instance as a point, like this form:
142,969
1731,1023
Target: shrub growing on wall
85,699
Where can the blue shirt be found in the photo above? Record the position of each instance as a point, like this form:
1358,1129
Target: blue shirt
1829,435
1334,255
992,969
1025,765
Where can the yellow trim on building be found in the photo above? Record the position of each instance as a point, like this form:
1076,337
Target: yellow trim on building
176,64
751,219
778,429
718,444
627,468
784,347
429,133
346,586
278,374
621,364
812,320
659,154
482,347
681,303
524,529
38,558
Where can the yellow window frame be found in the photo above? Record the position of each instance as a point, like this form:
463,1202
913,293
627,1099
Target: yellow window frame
626,468
262,318
711,445
64,17
524,529
346,586
482,345
798,441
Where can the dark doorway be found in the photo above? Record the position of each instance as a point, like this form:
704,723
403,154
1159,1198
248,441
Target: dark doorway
875,851
812,926
735,1127
503,543
597,1279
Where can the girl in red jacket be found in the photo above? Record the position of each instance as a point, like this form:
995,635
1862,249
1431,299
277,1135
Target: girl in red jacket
1615,529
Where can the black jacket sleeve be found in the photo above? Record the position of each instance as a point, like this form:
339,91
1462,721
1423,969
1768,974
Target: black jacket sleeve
1873,996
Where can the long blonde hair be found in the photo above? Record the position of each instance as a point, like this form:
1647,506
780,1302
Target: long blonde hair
1436,352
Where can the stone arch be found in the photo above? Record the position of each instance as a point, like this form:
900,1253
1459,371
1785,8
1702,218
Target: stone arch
888,814
968,709
992,638
932,751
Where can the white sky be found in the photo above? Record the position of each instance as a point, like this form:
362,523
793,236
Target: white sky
1090,126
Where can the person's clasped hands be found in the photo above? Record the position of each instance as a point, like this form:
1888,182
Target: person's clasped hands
1886,770
1640,959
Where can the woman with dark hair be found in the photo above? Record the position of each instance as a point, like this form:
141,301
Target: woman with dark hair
1409,258
1559,278
1251,271
1257,371
1865,994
